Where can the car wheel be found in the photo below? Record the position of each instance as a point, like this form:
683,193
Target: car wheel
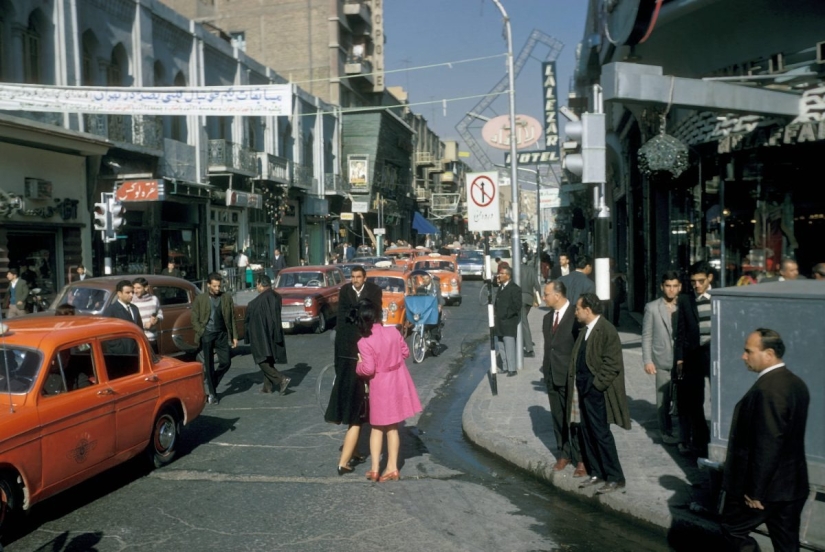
165,432
322,323
458,301
10,501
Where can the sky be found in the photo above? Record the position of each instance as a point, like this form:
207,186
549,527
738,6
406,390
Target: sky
422,33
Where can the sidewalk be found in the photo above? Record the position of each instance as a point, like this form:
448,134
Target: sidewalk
516,425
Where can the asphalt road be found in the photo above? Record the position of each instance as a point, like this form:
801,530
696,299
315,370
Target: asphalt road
257,472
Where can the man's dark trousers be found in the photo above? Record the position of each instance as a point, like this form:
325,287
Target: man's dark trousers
781,518
570,444
211,343
600,455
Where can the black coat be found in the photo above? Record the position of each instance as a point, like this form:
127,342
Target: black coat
766,447
116,310
263,328
346,334
559,346
687,327
507,310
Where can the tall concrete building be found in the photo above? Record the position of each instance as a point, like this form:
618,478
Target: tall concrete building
334,49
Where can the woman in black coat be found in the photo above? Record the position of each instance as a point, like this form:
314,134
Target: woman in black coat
265,335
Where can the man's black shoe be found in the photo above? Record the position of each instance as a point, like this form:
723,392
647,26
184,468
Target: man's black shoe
511,374
593,480
284,383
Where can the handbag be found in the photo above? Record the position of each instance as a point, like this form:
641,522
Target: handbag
364,413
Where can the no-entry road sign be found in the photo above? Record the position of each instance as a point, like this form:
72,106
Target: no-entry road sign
483,214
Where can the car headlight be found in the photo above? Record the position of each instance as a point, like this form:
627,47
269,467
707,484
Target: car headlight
416,317
308,302
454,282
393,307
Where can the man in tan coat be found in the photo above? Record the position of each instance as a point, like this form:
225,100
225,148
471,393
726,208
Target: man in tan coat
597,375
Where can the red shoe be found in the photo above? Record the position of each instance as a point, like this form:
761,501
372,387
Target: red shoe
392,476
372,476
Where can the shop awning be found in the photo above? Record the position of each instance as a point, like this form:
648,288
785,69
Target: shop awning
422,225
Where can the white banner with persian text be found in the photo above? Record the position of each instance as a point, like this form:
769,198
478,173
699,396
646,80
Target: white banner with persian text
252,100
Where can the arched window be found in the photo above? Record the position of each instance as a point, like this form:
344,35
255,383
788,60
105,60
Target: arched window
179,130
118,72
32,53
89,66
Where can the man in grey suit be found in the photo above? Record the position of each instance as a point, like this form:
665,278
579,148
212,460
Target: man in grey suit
658,330
577,282
530,289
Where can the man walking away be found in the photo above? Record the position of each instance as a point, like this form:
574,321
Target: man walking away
560,330
530,289
578,281
507,311
265,335
657,349
766,475
213,319
597,371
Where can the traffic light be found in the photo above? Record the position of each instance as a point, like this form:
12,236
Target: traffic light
589,134
117,210
103,219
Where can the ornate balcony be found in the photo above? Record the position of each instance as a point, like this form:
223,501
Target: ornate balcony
274,168
145,131
302,177
229,157
336,184
426,158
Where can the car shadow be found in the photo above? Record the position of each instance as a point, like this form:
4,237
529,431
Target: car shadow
202,430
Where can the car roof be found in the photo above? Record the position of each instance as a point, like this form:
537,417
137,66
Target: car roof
154,279
48,332
387,273
309,268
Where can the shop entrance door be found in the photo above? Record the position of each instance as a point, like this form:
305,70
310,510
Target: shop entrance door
35,255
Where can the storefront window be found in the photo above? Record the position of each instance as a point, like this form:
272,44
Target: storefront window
130,253
225,230
33,254
182,247
260,237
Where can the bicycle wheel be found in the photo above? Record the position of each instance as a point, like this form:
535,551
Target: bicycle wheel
323,387
419,346
484,294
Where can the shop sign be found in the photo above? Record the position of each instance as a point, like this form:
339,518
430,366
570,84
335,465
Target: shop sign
547,157
497,132
360,206
358,173
347,216
551,111
141,190
235,198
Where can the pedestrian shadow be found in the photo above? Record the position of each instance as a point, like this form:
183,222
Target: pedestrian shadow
542,421
297,373
632,345
84,542
682,533
242,383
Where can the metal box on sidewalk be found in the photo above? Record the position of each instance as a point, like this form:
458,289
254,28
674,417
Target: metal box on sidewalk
797,311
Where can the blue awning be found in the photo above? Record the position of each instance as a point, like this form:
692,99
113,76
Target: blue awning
422,225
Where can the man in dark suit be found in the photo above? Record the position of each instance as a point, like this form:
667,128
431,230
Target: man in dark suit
560,331
561,268
278,263
766,475
597,371
507,314
124,310
265,335
691,353
530,288
348,393
577,282
171,270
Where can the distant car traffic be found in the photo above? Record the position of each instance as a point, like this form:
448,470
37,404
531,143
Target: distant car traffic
310,296
470,263
446,269
394,288
79,395
176,335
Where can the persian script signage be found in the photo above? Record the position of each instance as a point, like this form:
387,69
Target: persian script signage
498,134
141,190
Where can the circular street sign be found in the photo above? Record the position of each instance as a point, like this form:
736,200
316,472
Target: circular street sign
482,191
497,133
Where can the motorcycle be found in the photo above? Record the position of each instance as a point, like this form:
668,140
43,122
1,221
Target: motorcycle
36,301
422,314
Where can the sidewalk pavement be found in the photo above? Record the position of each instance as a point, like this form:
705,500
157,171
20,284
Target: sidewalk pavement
664,488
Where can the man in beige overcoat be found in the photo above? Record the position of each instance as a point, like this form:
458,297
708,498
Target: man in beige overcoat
597,375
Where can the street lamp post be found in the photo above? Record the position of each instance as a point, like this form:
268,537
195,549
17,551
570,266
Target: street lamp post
516,238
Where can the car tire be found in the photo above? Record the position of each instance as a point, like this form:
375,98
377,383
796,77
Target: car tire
163,446
457,302
321,327
10,501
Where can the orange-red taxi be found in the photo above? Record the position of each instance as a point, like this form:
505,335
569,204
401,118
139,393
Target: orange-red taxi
393,286
446,268
80,394
404,256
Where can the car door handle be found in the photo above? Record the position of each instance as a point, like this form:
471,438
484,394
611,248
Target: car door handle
153,377
107,391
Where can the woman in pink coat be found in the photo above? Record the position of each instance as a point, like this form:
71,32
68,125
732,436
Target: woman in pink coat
381,354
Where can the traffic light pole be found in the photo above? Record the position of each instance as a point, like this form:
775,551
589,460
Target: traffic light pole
602,226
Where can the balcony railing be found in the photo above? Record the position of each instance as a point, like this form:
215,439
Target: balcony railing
336,184
229,157
425,158
178,161
141,130
422,193
274,168
359,9
358,66
302,177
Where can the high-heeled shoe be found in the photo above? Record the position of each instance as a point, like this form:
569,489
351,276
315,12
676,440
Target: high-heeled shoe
392,476
373,476
344,470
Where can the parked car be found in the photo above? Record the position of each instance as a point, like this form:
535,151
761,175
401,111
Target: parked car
470,263
393,285
446,269
79,395
310,296
176,335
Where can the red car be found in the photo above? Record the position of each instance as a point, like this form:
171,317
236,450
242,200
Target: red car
310,296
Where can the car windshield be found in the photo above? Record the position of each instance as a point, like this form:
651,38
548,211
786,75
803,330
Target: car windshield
500,253
85,300
299,279
470,257
388,283
399,254
18,366
435,265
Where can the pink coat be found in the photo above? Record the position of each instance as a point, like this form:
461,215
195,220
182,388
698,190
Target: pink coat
393,397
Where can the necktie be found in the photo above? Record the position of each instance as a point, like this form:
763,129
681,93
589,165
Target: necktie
556,322
131,314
